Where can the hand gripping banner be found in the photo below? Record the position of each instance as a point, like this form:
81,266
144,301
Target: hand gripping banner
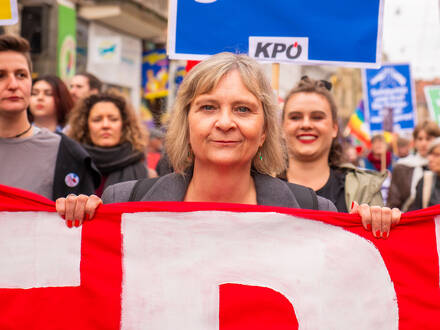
173,265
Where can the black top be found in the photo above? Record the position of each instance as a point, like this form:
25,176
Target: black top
334,189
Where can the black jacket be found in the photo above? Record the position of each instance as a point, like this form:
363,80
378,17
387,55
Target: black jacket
75,172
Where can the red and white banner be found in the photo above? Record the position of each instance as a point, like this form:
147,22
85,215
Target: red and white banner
170,265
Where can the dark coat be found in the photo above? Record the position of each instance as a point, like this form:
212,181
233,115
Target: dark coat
74,162
172,187
400,187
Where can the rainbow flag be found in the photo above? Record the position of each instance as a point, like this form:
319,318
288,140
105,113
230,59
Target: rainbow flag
357,127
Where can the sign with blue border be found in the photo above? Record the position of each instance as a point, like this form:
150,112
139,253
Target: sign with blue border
337,32
389,99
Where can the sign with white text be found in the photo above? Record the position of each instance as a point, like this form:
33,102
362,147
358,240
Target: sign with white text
389,99
337,32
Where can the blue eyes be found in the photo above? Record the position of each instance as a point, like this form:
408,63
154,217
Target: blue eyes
207,107
239,109
243,109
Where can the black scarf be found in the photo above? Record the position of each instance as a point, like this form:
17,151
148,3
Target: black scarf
119,163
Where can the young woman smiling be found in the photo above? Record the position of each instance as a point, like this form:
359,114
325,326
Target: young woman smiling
311,132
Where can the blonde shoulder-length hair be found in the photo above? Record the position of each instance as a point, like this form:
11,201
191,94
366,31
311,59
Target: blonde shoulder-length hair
132,130
202,79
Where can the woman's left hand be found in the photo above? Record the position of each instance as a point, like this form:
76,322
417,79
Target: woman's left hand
377,219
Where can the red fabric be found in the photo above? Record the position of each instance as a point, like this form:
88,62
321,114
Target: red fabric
377,163
410,255
258,308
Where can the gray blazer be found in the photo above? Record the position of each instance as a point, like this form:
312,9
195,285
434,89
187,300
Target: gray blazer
172,188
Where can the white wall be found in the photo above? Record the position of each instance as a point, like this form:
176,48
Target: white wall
411,33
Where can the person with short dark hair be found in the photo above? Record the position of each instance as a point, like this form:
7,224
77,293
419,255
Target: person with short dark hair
50,103
34,158
84,84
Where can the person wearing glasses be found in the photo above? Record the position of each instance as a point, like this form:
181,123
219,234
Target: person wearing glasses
311,133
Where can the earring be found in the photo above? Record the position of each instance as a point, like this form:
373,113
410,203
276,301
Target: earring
260,156
190,152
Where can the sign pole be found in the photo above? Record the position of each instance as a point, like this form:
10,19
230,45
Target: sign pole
383,161
276,78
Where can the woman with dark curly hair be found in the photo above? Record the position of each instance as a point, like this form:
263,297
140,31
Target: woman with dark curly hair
50,103
108,128
314,151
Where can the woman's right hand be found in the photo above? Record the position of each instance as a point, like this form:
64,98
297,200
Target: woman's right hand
76,209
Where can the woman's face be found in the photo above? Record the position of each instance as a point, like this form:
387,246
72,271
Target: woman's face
421,143
434,160
42,101
105,124
308,126
226,125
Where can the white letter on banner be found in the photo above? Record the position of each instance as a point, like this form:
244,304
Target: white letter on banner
174,263
37,250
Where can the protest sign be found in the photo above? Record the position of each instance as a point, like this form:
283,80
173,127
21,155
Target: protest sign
389,99
66,40
305,32
432,95
8,12
174,265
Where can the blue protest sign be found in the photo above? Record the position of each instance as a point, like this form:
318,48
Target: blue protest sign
389,100
305,32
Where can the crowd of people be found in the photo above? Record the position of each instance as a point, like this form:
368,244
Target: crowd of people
226,141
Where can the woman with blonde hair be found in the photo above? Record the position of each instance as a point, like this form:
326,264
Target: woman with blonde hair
223,141
110,131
